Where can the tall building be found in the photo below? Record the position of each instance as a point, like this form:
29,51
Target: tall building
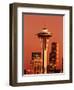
36,63
44,36
52,57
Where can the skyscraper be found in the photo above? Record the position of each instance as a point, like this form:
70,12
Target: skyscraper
54,58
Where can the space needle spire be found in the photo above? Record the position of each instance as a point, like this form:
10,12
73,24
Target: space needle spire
44,36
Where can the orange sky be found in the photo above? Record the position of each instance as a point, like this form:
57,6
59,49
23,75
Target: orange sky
34,24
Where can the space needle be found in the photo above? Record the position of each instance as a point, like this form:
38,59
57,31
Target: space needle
44,36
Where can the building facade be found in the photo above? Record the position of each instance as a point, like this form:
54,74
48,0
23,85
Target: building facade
36,63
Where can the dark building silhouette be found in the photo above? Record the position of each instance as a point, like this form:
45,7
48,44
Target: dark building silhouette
51,68
52,57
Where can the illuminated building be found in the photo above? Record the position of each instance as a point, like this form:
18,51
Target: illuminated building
54,58
36,63
44,37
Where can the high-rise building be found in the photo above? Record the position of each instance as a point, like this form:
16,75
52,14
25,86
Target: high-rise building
52,58
36,63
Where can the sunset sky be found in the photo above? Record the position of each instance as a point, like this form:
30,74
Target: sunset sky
33,24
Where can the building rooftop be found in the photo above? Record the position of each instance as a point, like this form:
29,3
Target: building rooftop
44,33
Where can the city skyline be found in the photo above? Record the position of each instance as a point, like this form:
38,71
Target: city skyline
35,24
36,64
